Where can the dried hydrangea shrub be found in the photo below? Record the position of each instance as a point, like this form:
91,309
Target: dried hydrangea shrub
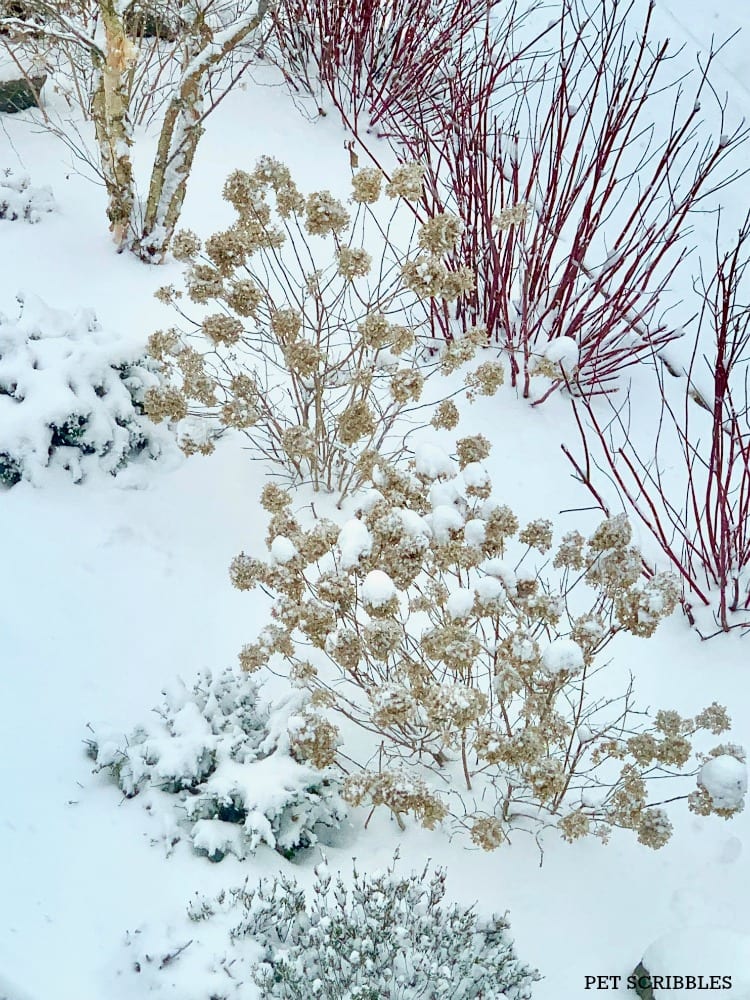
308,342
465,645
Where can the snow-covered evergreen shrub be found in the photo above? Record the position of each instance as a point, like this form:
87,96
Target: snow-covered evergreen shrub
386,937
19,200
71,396
228,766
309,347
467,650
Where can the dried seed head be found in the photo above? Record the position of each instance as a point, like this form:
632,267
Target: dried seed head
406,386
472,449
406,182
274,499
303,357
487,833
324,214
537,535
614,533
244,297
286,325
355,422
298,442
204,283
162,344
164,404
185,245
353,262
485,380
375,331
222,329
228,250
446,415
513,216
366,185
440,233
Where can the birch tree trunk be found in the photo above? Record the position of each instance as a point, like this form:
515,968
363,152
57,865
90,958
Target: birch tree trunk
180,134
111,122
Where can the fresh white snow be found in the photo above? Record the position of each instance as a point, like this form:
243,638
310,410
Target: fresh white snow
725,779
113,588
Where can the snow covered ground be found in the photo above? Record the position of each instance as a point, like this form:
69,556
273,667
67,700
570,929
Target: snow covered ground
110,590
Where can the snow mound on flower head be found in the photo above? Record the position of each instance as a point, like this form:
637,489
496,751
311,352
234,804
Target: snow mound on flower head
283,549
706,951
725,780
377,588
445,520
563,351
432,462
460,603
476,475
475,532
562,656
354,542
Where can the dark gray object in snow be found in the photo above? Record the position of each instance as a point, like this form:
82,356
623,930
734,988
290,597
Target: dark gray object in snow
18,95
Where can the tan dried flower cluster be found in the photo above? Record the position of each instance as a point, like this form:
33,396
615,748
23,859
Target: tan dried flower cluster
354,262
244,297
325,214
446,415
436,629
429,277
485,380
462,349
440,233
366,185
514,216
314,739
406,182
401,792
164,404
222,329
185,245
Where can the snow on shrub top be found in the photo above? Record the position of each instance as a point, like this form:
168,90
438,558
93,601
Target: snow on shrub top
725,779
385,937
18,200
563,656
232,769
378,589
70,395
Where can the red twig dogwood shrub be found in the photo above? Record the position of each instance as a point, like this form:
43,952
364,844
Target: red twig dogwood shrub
703,523
377,58
575,175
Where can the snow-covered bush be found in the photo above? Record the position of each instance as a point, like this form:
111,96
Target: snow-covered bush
231,768
19,200
384,938
71,396
309,348
468,651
